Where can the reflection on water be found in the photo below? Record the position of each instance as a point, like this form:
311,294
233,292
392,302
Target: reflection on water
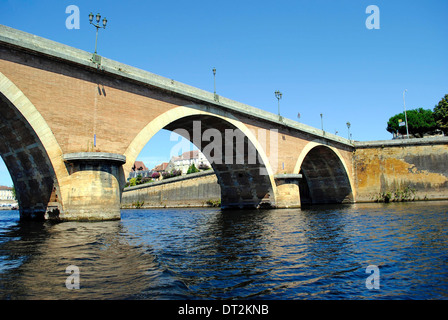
320,252
112,265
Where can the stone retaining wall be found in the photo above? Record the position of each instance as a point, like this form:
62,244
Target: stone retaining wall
193,190
415,169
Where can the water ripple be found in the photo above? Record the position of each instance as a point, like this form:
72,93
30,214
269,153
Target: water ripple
319,252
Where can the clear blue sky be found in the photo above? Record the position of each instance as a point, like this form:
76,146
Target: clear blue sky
318,53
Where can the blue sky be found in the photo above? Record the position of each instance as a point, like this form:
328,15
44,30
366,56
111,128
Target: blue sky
319,54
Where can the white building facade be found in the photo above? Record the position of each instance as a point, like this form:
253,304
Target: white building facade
6,194
184,161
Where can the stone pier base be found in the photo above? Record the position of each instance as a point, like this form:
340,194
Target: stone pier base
288,194
93,192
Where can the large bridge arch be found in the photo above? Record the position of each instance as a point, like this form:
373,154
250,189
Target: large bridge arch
325,175
243,185
31,154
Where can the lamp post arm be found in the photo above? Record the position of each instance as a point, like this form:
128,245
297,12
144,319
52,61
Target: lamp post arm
97,26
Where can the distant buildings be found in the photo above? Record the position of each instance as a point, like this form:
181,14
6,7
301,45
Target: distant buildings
161,167
177,163
6,193
186,159
139,166
7,200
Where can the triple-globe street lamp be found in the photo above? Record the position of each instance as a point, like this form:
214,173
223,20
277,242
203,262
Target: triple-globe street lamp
278,95
97,26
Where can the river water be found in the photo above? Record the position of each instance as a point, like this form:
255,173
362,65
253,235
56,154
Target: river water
320,252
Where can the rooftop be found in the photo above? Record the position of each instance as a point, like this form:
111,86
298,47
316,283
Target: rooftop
187,155
139,166
161,167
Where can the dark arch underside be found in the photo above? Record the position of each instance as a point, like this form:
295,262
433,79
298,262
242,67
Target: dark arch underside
325,179
28,164
243,185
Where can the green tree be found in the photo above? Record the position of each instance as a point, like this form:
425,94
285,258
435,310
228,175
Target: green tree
192,169
133,182
441,114
420,121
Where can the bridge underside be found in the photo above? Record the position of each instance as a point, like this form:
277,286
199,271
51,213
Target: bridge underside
324,179
25,157
241,173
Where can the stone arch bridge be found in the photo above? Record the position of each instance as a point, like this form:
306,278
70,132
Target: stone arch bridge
71,129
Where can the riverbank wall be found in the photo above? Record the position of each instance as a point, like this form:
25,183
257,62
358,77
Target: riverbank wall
401,170
199,189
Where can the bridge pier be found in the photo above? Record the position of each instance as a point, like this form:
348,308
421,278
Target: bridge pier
92,191
288,193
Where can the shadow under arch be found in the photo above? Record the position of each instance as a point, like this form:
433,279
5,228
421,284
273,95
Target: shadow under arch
324,176
22,131
245,178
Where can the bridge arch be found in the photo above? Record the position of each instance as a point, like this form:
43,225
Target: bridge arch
243,185
31,154
325,177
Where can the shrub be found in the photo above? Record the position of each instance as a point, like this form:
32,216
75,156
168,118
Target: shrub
214,203
173,173
399,195
146,180
176,173
155,175
203,166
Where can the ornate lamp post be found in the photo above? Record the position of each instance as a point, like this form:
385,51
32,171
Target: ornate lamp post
322,122
97,26
278,95
214,84
348,127
405,116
